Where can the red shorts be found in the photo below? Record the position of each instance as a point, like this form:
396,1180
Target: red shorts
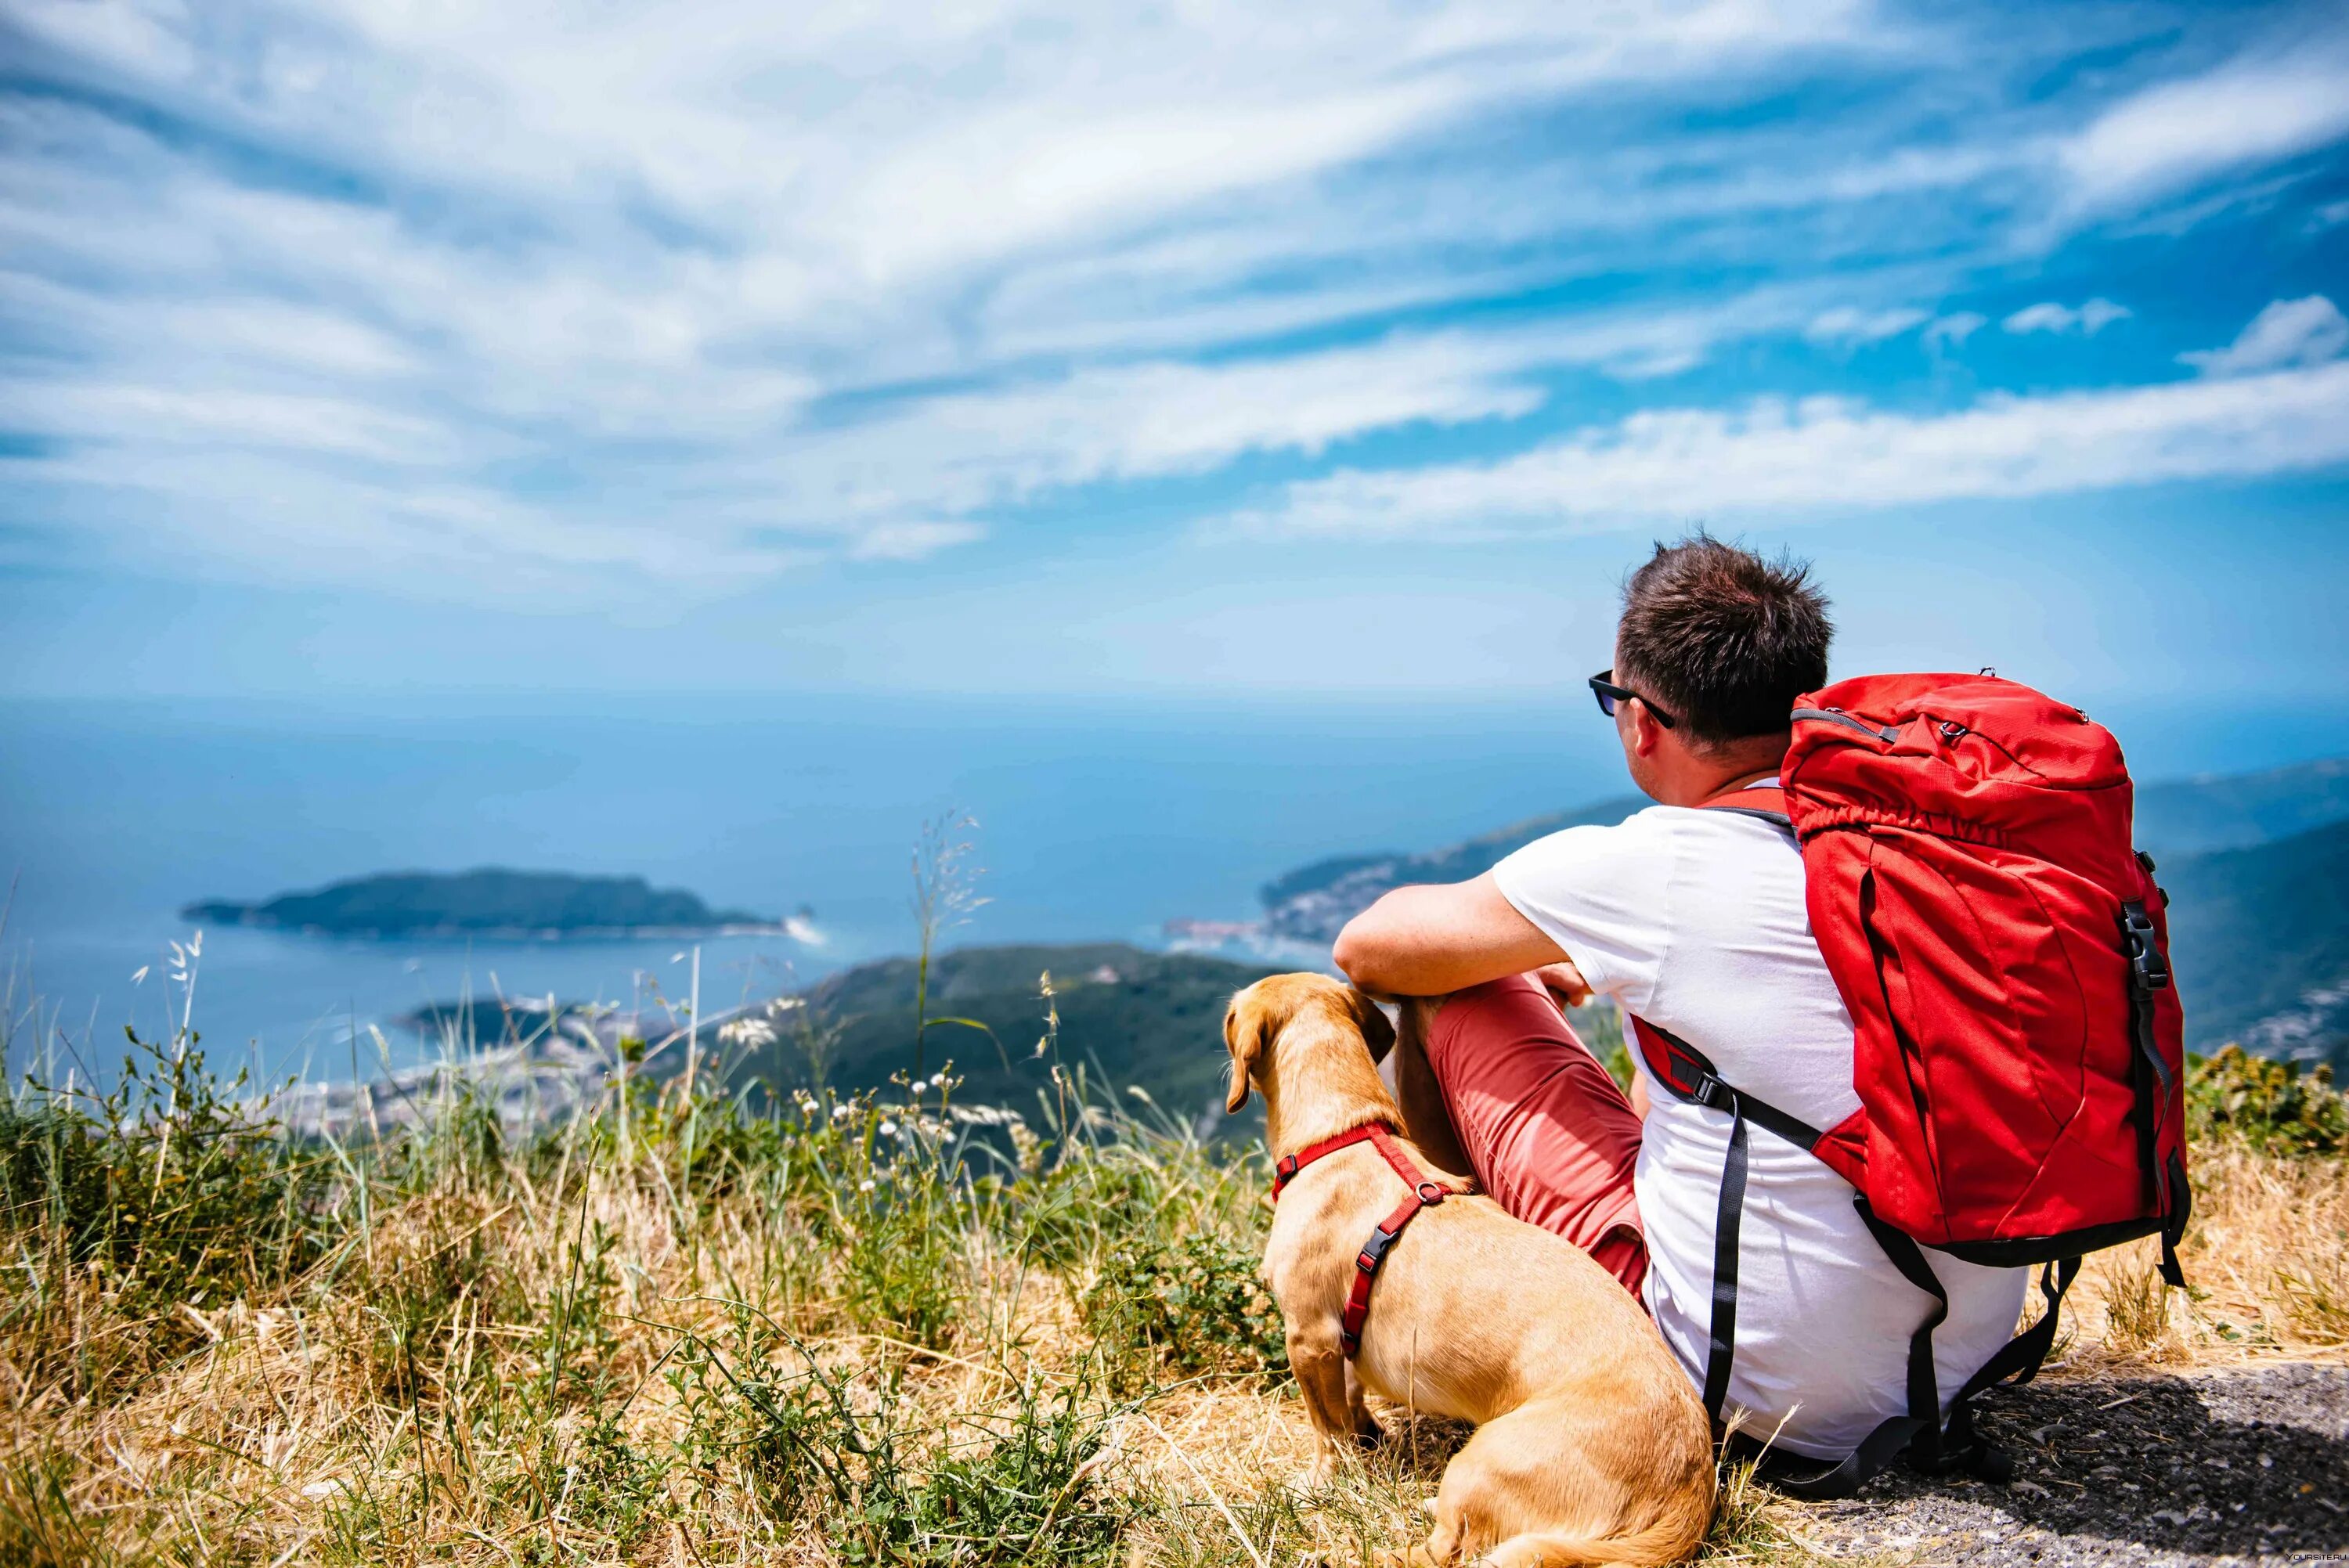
1549,1134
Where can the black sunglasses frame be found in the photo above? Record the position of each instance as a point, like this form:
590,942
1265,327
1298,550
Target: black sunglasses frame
1603,687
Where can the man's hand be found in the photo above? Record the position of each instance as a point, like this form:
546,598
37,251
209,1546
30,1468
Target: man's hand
1431,941
1565,981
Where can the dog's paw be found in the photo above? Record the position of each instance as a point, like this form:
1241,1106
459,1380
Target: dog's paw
1417,1556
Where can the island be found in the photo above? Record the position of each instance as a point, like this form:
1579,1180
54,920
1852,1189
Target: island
490,903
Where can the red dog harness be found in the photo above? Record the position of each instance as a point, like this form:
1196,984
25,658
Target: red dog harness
1425,1193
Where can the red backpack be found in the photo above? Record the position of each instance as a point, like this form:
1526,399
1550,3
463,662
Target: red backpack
2002,951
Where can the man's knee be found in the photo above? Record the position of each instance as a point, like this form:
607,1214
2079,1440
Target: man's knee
1498,1009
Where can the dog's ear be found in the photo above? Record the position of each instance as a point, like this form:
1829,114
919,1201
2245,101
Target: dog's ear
1377,1033
1244,1038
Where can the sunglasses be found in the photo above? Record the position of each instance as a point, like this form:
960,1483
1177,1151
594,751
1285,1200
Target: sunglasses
1603,687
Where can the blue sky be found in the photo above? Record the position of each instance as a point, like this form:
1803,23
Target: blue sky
360,347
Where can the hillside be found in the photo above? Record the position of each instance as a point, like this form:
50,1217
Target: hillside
490,901
2191,816
2256,865
1153,1020
2261,937
1313,901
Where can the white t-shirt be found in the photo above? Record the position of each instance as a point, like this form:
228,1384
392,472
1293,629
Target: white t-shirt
1694,919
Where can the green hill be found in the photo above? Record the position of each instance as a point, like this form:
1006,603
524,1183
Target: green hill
2256,865
2261,939
1313,901
491,902
2191,816
1149,1019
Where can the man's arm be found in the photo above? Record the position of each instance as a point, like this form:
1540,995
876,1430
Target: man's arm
1429,941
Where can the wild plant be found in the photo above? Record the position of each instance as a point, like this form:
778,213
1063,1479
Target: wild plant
678,1323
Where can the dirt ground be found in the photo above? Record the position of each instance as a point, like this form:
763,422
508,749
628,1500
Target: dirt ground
2225,1465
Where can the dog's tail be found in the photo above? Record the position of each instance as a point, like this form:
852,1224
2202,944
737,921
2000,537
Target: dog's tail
1670,1537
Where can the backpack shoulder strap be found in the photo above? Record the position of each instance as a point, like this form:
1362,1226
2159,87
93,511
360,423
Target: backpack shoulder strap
1766,799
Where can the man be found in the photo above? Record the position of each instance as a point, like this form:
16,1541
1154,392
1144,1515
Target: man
1694,921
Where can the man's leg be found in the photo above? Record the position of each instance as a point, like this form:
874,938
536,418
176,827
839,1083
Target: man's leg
1537,1120
1426,1120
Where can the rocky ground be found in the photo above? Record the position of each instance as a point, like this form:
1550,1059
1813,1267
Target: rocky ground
2240,1465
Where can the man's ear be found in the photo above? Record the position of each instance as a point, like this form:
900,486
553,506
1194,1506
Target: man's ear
1647,735
1377,1033
1244,1038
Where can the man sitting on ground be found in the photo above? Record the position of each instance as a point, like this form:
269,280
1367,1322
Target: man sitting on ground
1694,920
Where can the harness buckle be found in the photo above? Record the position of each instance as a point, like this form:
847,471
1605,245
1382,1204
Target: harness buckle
1375,1250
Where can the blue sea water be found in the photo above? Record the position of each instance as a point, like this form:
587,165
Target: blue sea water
1095,819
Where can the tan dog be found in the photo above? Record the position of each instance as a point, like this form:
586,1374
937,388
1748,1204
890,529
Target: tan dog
1591,1445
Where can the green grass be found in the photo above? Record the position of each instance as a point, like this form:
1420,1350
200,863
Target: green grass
713,1328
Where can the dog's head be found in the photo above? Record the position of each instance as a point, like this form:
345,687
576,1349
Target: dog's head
1292,1029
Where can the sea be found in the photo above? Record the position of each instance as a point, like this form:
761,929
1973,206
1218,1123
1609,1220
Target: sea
1089,819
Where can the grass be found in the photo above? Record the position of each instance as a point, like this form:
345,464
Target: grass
844,1329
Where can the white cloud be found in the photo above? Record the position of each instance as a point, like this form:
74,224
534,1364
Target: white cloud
2171,137
2050,316
604,274
1847,325
548,294
1677,464
912,541
2288,331
1954,329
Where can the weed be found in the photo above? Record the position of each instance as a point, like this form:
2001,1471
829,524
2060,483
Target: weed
1196,1306
2137,1308
2272,1104
672,1325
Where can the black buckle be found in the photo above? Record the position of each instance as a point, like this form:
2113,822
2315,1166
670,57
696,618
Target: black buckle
1375,1250
1288,1167
2150,968
1714,1094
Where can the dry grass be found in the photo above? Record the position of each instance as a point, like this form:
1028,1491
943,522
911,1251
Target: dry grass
2267,1266
674,1332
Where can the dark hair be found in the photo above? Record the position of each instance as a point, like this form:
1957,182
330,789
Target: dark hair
1723,640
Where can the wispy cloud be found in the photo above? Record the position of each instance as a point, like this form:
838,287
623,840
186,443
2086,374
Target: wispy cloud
1954,329
542,300
2049,315
1846,325
1675,465
2175,134
2288,331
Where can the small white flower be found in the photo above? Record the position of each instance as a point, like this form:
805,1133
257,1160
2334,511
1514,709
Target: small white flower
840,1113
865,1185
888,1129
938,1080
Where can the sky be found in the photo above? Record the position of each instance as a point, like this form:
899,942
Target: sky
366,347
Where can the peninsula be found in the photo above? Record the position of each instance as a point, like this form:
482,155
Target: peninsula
490,903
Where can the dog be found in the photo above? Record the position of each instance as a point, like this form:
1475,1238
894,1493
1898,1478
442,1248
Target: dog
1590,1444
